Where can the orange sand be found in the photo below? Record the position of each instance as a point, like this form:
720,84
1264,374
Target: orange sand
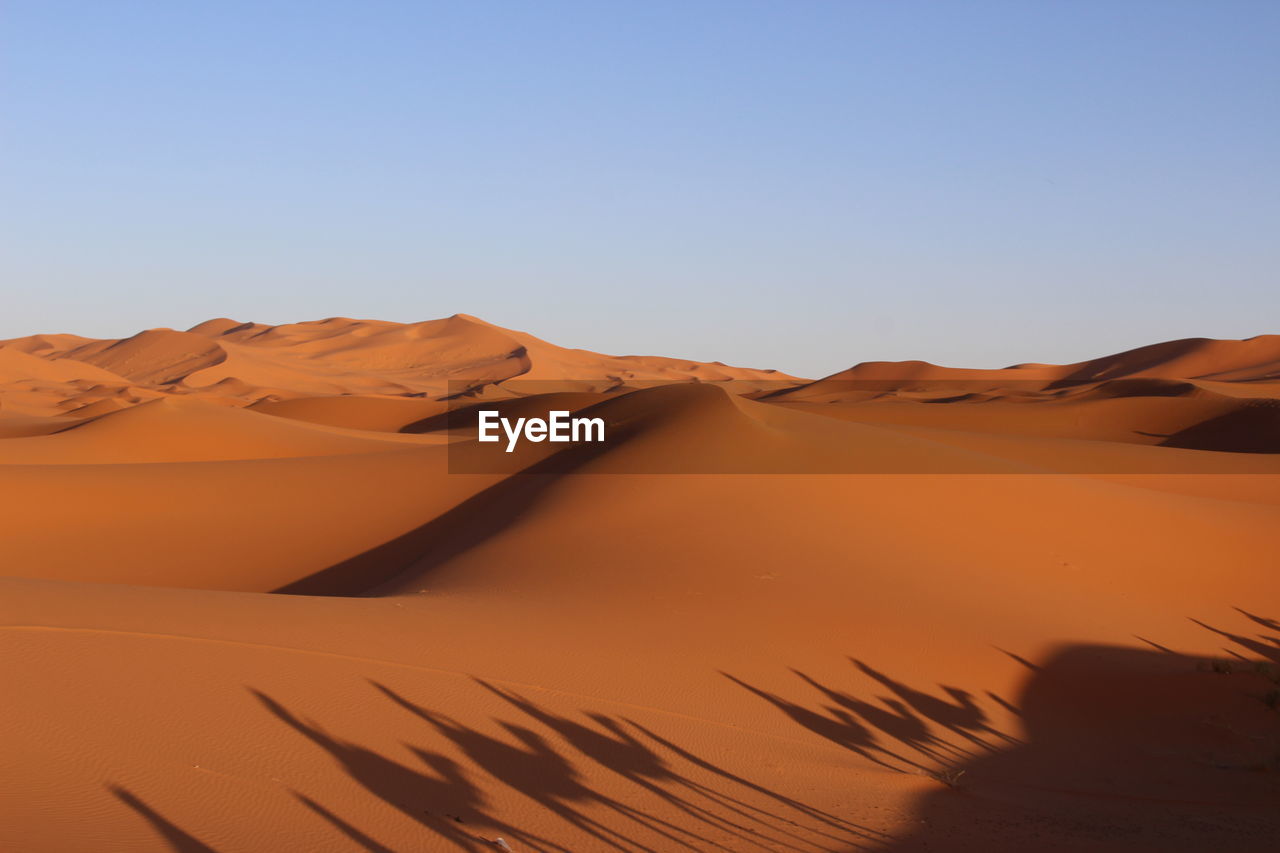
247,607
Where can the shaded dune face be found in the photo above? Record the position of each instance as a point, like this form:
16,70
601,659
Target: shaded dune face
1252,428
263,590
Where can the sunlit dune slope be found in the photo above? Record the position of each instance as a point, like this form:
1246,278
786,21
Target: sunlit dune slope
246,363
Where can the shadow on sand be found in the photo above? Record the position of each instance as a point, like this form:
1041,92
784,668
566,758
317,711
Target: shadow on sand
470,523
178,839
704,807
1120,748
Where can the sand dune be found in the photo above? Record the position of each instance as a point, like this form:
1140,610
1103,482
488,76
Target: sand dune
381,414
153,357
264,591
176,429
1253,359
246,363
1194,358
19,366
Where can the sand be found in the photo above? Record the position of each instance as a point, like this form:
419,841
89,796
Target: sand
260,594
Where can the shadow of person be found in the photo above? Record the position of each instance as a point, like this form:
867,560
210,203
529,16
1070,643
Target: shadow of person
441,803
536,770
961,715
618,750
179,839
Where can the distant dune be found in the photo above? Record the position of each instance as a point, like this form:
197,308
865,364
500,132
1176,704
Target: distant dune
243,363
264,591
1256,360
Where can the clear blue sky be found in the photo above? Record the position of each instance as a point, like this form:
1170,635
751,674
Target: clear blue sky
800,184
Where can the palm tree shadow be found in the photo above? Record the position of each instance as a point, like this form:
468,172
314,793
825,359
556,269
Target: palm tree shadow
837,725
533,768
894,720
1269,650
830,820
959,713
1273,624
444,801
611,745
179,839
440,796
366,843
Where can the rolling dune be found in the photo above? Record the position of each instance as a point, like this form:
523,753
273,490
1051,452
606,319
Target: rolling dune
264,591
